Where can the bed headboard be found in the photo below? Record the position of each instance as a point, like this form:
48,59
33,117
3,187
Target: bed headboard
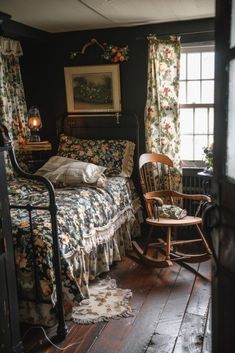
105,126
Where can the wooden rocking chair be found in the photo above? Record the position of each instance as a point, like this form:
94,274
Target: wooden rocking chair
155,177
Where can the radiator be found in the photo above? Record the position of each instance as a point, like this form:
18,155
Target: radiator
192,184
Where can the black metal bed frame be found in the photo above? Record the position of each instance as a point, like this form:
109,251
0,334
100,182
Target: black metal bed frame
82,127
62,327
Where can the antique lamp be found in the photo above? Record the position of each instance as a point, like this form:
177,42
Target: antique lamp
34,123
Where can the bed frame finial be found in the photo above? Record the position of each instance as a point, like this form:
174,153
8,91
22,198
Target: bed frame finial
117,118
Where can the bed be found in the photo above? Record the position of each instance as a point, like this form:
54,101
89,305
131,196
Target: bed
66,236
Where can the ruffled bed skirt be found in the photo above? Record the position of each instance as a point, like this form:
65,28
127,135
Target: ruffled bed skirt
84,267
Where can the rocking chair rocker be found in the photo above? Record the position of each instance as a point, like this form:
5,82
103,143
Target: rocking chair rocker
155,174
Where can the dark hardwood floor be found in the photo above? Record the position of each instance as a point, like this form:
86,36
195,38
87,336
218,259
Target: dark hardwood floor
170,309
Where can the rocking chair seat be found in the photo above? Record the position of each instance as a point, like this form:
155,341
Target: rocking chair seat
156,186
167,222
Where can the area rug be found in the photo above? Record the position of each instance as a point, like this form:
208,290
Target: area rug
106,302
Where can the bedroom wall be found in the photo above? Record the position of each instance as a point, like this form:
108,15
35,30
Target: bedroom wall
45,57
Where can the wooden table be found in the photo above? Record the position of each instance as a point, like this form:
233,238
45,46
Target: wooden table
39,153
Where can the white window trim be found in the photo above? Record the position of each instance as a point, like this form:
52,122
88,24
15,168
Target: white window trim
191,48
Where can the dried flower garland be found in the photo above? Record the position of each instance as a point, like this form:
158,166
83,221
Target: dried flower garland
114,53
111,52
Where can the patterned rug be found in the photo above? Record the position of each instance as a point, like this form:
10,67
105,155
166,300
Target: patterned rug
106,302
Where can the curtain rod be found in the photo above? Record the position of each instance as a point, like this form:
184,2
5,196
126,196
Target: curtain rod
175,34
198,45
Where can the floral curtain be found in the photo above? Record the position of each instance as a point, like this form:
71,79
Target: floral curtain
13,110
162,109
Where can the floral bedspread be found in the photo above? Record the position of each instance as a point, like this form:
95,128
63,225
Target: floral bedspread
93,225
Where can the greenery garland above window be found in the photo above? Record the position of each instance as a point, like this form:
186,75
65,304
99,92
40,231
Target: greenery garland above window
110,53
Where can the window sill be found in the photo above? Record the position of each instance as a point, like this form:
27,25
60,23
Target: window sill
193,165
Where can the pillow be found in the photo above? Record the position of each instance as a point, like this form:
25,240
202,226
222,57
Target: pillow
115,155
67,171
171,211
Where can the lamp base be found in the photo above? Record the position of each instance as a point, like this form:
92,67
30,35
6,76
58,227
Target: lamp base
34,138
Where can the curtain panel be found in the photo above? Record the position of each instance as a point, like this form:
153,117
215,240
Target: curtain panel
13,110
162,127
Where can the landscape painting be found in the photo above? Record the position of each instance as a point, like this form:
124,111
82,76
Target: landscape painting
93,88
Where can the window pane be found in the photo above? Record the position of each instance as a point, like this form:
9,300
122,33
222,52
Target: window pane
208,65
196,88
230,162
183,67
193,66
200,144
186,152
193,92
211,139
211,120
186,121
201,121
207,91
182,92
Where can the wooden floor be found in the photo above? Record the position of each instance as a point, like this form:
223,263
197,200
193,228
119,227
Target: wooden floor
170,309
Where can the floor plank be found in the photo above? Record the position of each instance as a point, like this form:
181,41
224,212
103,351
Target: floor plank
165,303
207,344
146,320
190,338
191,335
173,313
142,281
201,292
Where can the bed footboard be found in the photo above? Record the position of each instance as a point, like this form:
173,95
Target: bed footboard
52,209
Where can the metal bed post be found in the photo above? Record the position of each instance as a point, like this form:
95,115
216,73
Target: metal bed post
62,329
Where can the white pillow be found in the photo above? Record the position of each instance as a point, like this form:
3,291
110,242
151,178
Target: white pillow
71,172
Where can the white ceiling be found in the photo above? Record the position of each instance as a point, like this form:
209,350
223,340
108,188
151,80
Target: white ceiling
72,15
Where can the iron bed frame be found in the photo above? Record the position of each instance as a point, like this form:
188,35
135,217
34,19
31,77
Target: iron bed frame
91,126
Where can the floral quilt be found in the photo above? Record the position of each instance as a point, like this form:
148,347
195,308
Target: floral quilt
94,228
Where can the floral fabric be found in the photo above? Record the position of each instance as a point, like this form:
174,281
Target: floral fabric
162,129
115,155
13,111
94,226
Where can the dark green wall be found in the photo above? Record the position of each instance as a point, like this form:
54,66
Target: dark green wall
46,55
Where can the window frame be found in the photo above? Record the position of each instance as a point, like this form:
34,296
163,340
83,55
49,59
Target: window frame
197,48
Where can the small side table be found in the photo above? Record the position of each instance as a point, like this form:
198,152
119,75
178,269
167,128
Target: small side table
206,181
39,153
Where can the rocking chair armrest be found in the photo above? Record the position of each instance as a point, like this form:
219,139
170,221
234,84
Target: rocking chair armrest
153,199
196,197
151,202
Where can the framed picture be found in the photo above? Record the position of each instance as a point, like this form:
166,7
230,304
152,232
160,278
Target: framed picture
93,88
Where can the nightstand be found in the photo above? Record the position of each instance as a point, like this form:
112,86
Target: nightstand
39,153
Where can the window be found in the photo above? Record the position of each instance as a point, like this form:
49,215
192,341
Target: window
196,98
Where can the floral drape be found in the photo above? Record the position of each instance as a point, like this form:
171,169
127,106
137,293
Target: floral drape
162,109
13,110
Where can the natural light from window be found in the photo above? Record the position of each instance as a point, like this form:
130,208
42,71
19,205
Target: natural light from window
196,102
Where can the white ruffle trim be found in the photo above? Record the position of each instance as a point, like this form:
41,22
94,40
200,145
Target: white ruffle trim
103,234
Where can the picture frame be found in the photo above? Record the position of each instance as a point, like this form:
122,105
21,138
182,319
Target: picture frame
93,89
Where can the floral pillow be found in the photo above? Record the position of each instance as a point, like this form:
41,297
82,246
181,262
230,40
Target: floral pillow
115,155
